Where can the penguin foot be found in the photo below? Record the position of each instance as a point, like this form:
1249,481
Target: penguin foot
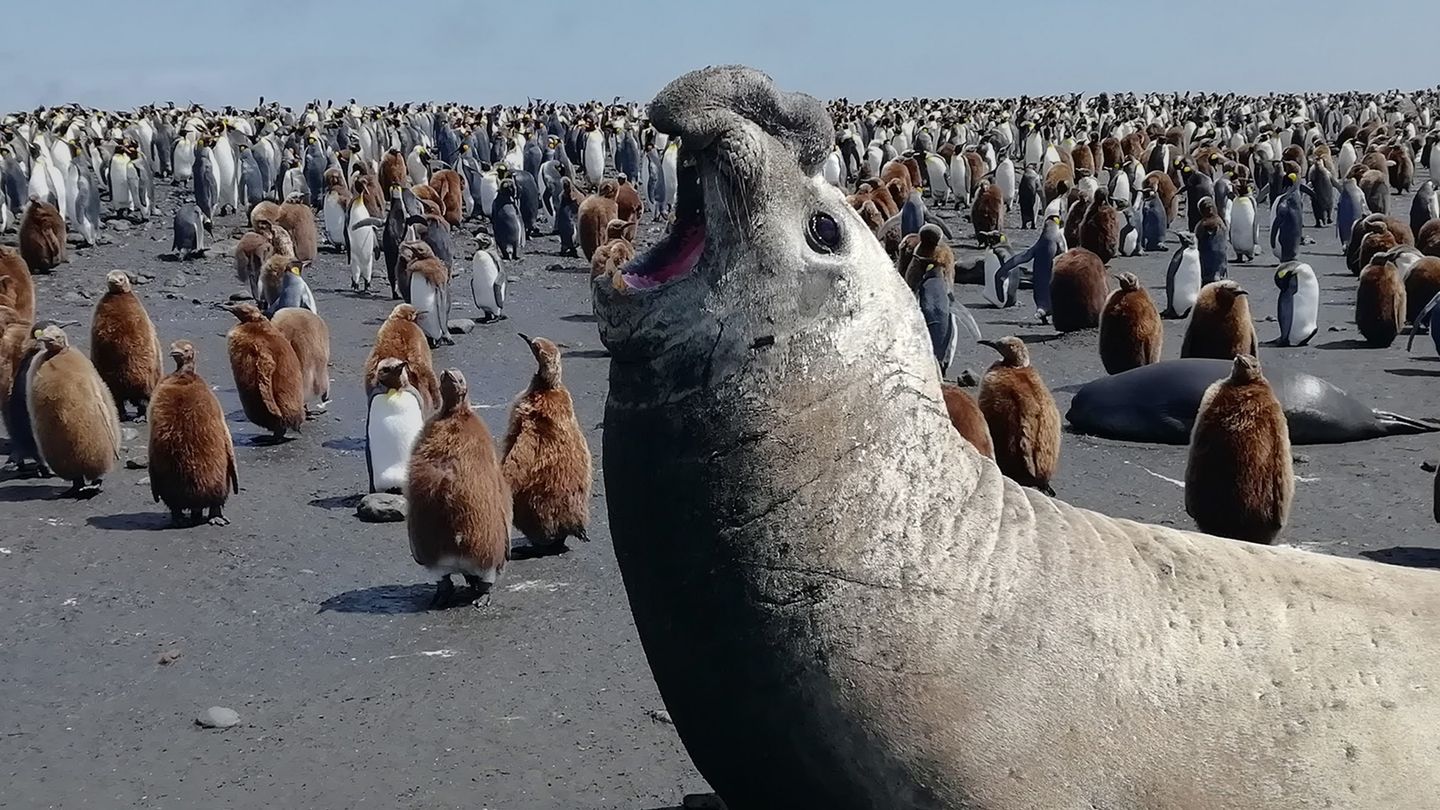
444,594
217,519
447,341
481,602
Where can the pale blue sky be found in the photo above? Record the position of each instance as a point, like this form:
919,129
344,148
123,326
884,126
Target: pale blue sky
212,51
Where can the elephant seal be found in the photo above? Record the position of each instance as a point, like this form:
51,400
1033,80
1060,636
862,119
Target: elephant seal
1158,403
844,605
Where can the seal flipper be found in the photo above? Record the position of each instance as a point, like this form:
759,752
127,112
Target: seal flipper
1394,424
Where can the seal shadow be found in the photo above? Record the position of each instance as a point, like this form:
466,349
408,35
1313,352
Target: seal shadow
382,600
1408,556
590,354
1413,372
132,522
1347,343
338,502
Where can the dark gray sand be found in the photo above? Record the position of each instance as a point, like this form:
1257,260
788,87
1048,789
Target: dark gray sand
116,633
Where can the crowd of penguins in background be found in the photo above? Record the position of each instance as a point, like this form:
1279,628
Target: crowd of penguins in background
1096,177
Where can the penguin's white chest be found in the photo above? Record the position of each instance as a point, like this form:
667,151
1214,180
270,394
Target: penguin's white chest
489,187
831,170
395,422
594,157
1187,282
1242,224
334,219
670,171
482,282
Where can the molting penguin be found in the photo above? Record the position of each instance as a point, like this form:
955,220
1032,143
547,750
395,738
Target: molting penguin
23,346
488,281
1239,481
401,338
13,267
1220,324
124,346
76,428
546,459
1020,411
1298,307
459,506
393,419
1131,334
42,237
1380,302
1425,206
429,290
1100,229
309,336
191,457
968,419
266,372
595,215
1077,290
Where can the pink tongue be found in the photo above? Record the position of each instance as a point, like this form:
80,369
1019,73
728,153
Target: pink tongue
685,258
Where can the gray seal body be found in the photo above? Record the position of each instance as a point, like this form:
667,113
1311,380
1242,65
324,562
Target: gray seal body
1158,403
846,606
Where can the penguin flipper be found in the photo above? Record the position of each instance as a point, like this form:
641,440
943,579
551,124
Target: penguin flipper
1422,319
369,463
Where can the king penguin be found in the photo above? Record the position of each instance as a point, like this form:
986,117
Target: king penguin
1298,308
1182,279
392,422
488,281
1153,221
1002,291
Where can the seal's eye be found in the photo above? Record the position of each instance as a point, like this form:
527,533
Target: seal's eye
823,233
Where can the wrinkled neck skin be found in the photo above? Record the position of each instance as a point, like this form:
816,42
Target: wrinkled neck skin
773,425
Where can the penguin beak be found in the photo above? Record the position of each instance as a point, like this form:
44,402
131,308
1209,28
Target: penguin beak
1242,292
524,337
989,343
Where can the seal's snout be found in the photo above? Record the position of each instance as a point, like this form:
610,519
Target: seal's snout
704,104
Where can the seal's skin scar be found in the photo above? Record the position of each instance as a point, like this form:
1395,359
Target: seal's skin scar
845,606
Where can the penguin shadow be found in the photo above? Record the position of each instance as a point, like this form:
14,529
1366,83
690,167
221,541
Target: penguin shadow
133,522
347,443
521,549
30,491
1413,372
382,600
580,317
338,502
1347,343
1038,337
1407,556
568,270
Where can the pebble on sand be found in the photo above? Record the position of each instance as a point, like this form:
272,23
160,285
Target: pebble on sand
381,507
460,326
218,717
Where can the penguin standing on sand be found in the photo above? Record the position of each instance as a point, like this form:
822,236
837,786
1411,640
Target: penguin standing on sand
192,457
1244,224
124,346
190,229
360,243
1425,206
1298,308
393,419
1349,209
459,505
1002,291
505,221
77,430
24,454
567,218
1239,478
266,372
203,181
1131,334
1028,197
1153,220
1213,243
488,281
429,290
1288,227
1220,324
1322,198
547,462
1182,278
1041,256
1024,422
1380,301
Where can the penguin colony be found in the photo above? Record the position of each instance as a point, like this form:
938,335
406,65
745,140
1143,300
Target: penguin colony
1224,187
